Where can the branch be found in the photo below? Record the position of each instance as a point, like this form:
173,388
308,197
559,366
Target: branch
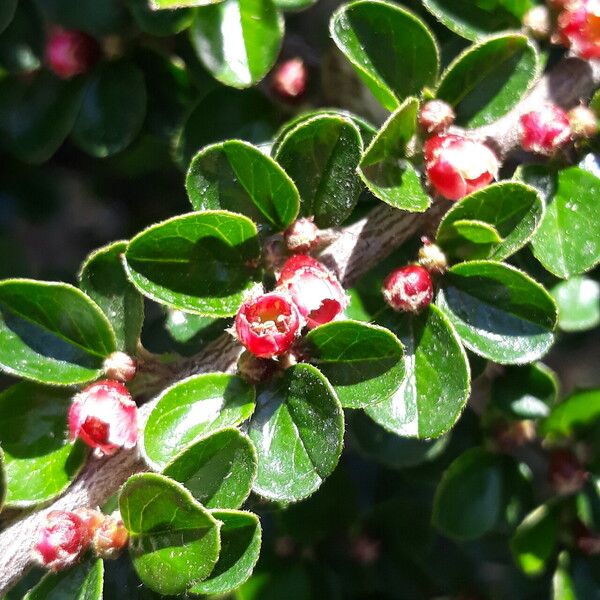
353,251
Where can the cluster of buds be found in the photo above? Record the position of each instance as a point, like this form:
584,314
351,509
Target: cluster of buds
579,27
66,536
290,80
70,53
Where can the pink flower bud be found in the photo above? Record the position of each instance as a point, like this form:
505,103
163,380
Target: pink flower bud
583,122
579,27
70,53
61,541
317,293
268,325
301,235
120,366
104,416
408,289
290,79
544,130
436,116
537,22
110,537
92,519
457,165
565,473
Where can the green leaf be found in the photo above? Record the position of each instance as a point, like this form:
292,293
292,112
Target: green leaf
22,41
511,211
237,176
97,18
193,409
364,363
437,384
568,241
473,20
391,49
298,431
563,586
321,155
499,312
171,4
489,78
160,23
83,581
219,470
40,461
535,539
51,332
199,262
294,5
3,482
469,499
240,549
389,449
103,279
578,302
577,412
7,12
526,392
238,40
173,540
383,167
113,109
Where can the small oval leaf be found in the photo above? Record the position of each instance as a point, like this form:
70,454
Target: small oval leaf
578,302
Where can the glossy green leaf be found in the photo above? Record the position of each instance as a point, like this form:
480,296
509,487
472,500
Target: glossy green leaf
526,392
190,329
391,49
103,279
390,449
499,312
113,109
97,18
238,40
469,499
535,539
513,210
294,5
563,586
199,262
156,22
171,4
240,548
578,302
473,20
568,241
7,11
193,409
219,470
437,384
384,168
489,78
40,460
51,332
22,41
173,540
577,412
83,581
298,431
364,363
237,176
321,156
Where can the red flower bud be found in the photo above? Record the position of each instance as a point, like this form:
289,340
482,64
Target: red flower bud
457,165
301,235
120,366
579,27
110,537
583,122
290,79
61,541
566,474
408,289
70,53
545,130
317,293
268,325
436,116
104,416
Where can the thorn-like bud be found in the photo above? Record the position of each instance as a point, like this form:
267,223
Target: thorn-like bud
457,165
254,369
432,257
120,366
61,541
104,416
316,291
583,122
565,472
579,27
408,289
268,324
545,130
537,22
301,235
290,79
110,537
70,53
436,116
